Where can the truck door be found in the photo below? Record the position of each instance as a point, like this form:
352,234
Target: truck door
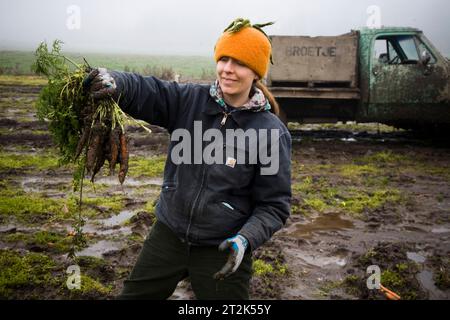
407,84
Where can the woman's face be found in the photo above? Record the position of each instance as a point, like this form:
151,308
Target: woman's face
234,77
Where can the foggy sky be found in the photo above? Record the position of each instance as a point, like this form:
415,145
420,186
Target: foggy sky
192,27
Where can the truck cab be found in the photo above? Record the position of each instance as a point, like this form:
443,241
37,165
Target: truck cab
405,79
389,75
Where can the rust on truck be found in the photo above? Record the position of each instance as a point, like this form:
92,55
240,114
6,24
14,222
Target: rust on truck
389,75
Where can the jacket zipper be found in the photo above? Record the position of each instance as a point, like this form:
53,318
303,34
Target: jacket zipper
191,214
224,119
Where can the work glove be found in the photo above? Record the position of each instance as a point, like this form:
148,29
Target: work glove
100,84
237,244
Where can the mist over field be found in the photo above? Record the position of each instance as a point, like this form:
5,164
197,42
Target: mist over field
192,27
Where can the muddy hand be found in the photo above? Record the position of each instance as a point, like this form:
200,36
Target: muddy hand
100,84
237,244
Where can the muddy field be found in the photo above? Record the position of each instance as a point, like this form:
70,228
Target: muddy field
363,195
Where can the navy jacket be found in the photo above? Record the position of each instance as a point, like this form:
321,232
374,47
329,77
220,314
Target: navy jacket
206,203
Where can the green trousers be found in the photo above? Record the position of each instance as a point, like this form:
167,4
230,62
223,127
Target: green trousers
164,261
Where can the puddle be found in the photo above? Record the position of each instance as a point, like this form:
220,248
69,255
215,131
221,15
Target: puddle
321,261
13,228
28,184
440,230
348,139
414,229
100,228
417,258
129,181
326,222
39,184
8,228
425,278
98,249
117,219
36,183
93,228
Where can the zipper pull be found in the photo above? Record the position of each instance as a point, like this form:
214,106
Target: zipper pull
224,119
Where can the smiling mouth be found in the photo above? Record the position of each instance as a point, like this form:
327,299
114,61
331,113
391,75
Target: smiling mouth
225,79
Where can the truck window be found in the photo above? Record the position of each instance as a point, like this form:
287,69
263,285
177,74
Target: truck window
408,46
380,51
394,58
384,52
422,47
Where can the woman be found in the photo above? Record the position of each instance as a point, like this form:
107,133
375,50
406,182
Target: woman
234,204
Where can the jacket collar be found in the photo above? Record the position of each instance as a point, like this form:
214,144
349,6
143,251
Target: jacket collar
258,103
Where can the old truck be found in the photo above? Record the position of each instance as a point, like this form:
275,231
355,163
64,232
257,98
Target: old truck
390,75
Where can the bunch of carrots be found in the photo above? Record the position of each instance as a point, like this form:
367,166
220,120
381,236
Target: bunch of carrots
87,132
102,139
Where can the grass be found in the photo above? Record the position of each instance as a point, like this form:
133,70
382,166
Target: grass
150,167
396,279
45,239
89,288
17,102
108,203
348,200
9,160
150,207
357,200
96,187
366,184
12,131
384,158
23,80
264,269
27,271
196,67
261,268
37,276
350,188
29,207
356,171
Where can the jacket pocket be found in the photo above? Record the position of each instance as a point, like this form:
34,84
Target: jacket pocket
166,197
232,210
220,219
227,205
168,186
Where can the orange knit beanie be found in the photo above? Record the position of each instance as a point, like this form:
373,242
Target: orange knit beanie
246,43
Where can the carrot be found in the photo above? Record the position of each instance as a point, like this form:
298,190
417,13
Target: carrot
123,158
114,149
94,147
98,164
391,295
83,139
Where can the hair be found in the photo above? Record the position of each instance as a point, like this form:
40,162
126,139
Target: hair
275,108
